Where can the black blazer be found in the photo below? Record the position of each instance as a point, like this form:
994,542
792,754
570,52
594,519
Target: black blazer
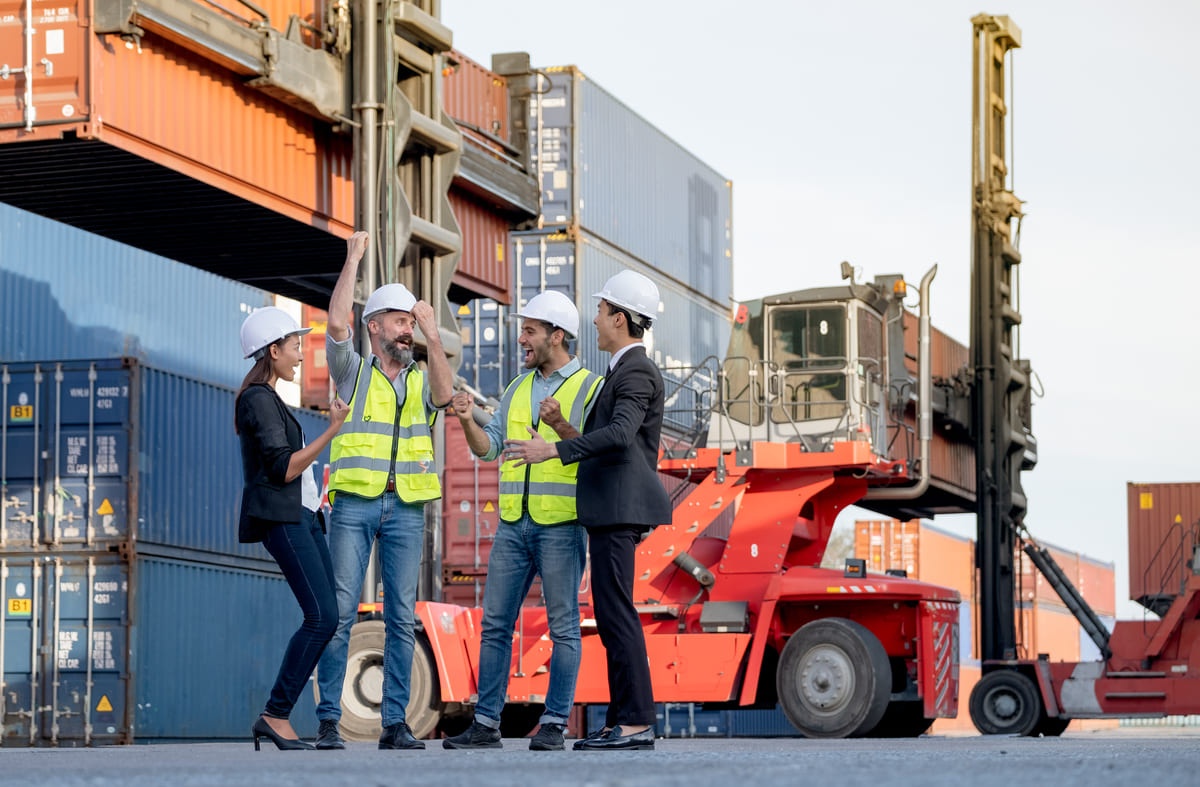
618,451
269,434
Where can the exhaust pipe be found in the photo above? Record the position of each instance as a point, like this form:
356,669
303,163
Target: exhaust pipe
924,404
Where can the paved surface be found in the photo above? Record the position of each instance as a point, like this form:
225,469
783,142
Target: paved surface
1115,758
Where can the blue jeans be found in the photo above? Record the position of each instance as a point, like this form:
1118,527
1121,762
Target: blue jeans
357,522
557,553
299,549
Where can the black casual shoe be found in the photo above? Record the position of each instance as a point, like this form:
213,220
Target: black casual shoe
328,736
399,736
477,736
617,740
579,744
549,738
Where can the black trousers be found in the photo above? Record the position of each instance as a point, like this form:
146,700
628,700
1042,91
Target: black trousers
303,556
631,697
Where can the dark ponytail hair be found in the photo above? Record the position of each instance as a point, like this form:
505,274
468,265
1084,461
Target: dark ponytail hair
260,372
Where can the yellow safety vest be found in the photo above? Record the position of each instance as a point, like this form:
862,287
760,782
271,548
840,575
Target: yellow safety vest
380,439
547,488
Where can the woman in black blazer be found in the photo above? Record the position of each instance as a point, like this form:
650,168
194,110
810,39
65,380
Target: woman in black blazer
280,506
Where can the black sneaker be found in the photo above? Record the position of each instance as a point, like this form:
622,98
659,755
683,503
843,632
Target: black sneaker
399,736
477,736
328,736
549,738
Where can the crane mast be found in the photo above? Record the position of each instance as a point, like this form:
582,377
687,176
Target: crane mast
1000,406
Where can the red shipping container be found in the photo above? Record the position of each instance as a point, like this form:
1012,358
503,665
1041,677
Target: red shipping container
470,503
483,268
1098,584
1162,530
316,387
476,98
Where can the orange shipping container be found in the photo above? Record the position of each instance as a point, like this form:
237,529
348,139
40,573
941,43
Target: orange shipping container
483,269
476,98
1098,584
186,147
316,388
1047,628
470,503
1160,515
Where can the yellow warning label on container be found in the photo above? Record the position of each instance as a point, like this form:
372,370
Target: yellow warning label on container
1146,500
20,412
464,309
103,706
105,508
499,252
488,506
20,607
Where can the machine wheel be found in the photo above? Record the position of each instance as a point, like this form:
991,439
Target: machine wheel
834,679
902,720
1051,727
1005,702
362,693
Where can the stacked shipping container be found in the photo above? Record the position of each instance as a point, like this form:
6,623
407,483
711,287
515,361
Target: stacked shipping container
121,566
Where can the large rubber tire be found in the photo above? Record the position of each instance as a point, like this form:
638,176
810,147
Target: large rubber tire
1005,702
902,720
834,679
362,692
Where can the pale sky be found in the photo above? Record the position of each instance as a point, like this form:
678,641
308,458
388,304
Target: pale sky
845,128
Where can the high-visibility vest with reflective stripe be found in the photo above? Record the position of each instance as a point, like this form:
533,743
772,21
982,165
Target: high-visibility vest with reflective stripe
551,485
380,439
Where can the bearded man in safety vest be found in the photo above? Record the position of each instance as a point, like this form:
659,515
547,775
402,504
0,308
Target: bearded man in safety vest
539,534
382,473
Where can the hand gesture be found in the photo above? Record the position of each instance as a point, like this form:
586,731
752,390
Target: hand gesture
550,412
422,313
338,410
356,246
463,403
531,451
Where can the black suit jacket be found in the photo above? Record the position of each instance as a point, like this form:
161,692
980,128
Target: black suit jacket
269,434
618,451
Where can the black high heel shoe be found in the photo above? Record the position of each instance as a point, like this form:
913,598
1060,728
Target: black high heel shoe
263,730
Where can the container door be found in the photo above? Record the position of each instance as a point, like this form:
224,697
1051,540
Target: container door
87,628
485,340
49,68
66,455
20,582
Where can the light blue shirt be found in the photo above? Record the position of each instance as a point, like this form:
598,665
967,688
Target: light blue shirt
542,387
343,360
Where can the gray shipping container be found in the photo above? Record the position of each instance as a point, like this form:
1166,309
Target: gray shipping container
68,294
111,451
689,331
604,168
98,648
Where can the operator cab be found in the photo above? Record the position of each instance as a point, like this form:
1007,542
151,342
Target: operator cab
808,366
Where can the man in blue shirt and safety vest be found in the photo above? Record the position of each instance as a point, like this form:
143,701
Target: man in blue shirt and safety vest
539,534
382,473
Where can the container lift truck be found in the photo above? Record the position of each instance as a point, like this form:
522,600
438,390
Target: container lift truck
1148,668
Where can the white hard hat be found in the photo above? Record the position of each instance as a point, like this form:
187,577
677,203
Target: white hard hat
266,326
389,298
555,308
632,291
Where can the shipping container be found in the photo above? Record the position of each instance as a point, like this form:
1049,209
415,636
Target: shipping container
470,503
1098,584
112,451
607,170
1164,527
101,647
1043,627
68,294
483,268
476,98
689,329
316,387
1033,586
487,340
198,159
889,544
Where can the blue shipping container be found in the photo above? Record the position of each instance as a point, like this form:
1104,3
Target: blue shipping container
69,295
109,451
483,327
96,650
606,169
689,334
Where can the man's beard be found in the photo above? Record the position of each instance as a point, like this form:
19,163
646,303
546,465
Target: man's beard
401,355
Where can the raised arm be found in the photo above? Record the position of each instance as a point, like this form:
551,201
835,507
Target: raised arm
341,303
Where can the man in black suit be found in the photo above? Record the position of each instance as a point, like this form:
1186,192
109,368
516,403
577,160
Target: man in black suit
619,498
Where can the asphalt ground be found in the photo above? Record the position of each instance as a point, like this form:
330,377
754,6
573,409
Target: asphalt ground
1146,757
